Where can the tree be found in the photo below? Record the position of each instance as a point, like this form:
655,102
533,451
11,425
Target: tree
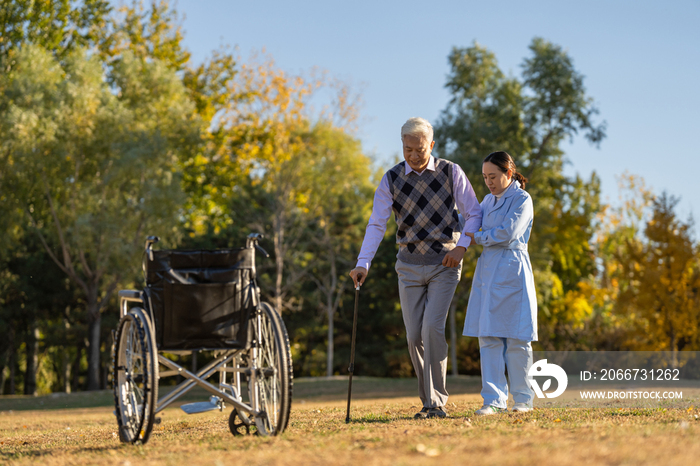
663,296
338,175
94,167
529,118
485,113
271,164
148,34
35,304
59,26
257,154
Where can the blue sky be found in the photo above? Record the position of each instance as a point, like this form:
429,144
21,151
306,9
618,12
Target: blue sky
641,61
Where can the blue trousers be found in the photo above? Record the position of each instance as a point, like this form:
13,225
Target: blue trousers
497,354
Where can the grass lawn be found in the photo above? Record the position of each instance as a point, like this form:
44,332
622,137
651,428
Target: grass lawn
80,429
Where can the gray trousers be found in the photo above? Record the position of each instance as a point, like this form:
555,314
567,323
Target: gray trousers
426,292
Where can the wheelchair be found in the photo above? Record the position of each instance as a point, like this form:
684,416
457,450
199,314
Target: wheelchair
201,301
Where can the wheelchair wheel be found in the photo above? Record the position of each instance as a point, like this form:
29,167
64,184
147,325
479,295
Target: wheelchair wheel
237,424
135,377
273,386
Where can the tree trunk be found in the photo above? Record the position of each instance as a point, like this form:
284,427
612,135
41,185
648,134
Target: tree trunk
93,382
105,376
331,308
65,360
674,346
279,259
3,377
13,363
32,352
75,371
329,355
65,371
672,337
9,362
453,337
4,364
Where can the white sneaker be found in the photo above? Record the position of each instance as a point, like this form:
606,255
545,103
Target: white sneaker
487,410
521,408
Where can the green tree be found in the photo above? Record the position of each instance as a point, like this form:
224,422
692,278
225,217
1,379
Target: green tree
340,193
529,118
36,302
147,33
93,167
60,26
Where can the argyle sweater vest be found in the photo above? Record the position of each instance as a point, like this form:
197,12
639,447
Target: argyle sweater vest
428,224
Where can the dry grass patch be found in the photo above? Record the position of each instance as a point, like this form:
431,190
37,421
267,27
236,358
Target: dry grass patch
382,431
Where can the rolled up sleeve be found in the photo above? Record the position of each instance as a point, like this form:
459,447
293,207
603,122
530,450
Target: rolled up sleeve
467,203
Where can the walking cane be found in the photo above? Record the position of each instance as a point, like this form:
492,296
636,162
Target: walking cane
351,368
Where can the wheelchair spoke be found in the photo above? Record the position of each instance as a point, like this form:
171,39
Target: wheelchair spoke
273,367
132,395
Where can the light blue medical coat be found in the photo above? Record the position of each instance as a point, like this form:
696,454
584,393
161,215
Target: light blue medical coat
502,302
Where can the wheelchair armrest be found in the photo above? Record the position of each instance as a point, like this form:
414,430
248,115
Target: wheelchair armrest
131,295
126,296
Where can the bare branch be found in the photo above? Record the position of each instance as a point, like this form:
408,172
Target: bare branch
71,273
108,293
67,260
137,235
538,154
338,294
319,284
83,261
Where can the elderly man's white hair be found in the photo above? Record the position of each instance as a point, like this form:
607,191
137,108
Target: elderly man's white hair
417,127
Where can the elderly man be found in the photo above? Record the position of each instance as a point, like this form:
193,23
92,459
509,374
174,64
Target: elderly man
424,193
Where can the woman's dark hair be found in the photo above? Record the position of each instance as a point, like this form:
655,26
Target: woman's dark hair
504,162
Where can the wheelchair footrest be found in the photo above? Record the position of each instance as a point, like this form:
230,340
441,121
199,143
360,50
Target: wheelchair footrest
203,406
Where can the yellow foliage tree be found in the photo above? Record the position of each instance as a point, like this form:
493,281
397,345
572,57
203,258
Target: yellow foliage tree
662,299
260,152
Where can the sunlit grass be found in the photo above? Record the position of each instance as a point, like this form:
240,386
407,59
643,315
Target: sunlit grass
382,431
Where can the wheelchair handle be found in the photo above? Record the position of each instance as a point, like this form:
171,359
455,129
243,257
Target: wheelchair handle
150,241
262,251
253,240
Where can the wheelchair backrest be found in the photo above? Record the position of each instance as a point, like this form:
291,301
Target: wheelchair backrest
201,298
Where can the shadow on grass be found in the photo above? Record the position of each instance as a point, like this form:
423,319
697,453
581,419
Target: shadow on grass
372,420
35,455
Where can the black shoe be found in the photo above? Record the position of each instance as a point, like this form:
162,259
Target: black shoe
422,414
437,412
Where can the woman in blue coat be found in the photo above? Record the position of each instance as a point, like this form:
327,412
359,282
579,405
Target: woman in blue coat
502,308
